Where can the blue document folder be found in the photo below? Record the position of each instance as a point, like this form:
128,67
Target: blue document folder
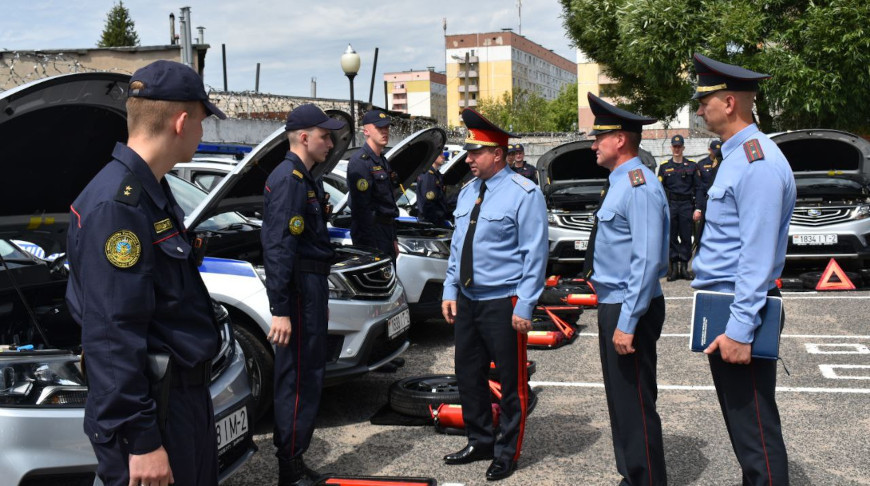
710,314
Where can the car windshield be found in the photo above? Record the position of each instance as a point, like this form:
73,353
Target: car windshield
190,196
11,252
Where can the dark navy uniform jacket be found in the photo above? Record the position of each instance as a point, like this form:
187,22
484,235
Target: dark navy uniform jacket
431,203
371,190
527,171
294,229
682,180
706,166
134,288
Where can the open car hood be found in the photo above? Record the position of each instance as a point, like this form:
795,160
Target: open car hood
410,158
57,133
824,151
242,188
573,163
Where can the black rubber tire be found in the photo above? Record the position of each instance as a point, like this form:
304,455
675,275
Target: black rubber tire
260,365
413,396
811,279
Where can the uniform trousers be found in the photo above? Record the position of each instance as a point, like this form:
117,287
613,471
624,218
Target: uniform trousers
381,236
300,367
631,389
747,396
484,333
681,230
190,441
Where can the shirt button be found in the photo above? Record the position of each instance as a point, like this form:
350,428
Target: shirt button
96,436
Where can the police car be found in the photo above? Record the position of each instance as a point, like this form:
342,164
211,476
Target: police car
57,134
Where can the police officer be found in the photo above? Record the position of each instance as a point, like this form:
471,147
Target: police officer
371,182
627,256
707,166
495,275
431,203
682,182
521,167
742,251
297,255
135,289
511,155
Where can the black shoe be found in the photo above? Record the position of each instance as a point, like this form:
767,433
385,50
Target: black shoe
684,271
294,472
672,272
468,454
500,469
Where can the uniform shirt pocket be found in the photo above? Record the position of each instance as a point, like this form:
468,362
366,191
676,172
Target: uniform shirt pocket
719,205
493,226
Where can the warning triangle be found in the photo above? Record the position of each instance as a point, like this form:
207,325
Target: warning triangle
834,269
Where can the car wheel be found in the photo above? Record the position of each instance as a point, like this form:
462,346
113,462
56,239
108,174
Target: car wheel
260,365
413,396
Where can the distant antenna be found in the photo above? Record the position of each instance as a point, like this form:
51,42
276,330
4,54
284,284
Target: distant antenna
520,13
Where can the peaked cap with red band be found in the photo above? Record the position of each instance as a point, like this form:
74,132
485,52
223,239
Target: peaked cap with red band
609,118
715,76
482,132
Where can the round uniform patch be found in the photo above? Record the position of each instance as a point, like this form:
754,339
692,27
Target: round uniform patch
430,195
362,185
297,225
123,249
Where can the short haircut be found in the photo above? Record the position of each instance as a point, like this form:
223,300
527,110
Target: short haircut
150,117
632,140
293,135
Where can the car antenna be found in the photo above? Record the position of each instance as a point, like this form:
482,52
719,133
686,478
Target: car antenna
24,302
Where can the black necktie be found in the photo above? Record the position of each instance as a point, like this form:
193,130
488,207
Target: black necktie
590,247
466,265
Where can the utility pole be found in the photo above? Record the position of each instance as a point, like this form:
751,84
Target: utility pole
465,66
520,12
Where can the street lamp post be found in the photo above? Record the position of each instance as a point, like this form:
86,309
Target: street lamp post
350,66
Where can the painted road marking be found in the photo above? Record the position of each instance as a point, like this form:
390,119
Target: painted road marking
847,348
798,296
786,389
798,336
830,371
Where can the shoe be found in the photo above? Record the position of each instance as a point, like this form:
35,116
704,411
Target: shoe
684,271
500,469
672,271
294,472
467,455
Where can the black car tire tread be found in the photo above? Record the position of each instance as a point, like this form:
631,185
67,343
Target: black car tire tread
258,362
412,396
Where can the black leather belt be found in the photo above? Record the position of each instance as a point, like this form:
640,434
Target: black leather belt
385,219
680,197
199,375
313,266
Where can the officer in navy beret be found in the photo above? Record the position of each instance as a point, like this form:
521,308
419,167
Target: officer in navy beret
296,256
520,165
742,251
135,289
431,201
626,257
372,182
682,182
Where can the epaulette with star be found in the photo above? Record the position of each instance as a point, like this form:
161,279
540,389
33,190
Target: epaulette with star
753,150
636,177
129,191
526,184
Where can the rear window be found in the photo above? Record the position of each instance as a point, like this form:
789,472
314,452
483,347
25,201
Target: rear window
815,154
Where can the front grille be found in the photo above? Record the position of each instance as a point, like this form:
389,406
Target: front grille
383,347
375,281
565,250
334,343
578,221
808,216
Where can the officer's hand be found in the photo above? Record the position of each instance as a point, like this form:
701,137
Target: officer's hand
520,324
151,469
731,350
279,333
448,310
696,216
624,343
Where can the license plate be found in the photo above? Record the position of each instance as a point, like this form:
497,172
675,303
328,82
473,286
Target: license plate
231,429
581,245
805,240
397,324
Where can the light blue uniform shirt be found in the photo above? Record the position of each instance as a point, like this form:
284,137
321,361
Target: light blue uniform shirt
744,241
631,245
510,242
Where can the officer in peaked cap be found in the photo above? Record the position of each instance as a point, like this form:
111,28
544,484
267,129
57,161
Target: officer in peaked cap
742,251
520,165
431,202
135,289
495,274
296,256
682,182
626,256
372,183
511,155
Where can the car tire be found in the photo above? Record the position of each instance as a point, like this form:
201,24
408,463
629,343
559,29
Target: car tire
811,279
413,396
260,365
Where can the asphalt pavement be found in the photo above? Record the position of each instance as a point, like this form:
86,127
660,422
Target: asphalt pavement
824,404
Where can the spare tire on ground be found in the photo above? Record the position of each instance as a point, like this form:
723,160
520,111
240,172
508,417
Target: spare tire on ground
413,396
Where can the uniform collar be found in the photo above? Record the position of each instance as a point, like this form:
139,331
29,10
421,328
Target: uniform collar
371,153
630,164
140,169
738,139
498,177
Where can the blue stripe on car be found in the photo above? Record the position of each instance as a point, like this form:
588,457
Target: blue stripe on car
224,266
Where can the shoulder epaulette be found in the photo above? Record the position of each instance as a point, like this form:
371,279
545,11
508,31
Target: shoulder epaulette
636,177
523,182
298,174
753,150
364,156
130,190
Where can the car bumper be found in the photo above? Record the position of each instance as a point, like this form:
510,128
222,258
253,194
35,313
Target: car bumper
562,244
852,242
423,280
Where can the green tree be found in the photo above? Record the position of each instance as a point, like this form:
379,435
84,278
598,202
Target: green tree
525,111
817,52
120,28
562,111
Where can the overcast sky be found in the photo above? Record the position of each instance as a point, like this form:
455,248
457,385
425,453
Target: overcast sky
293,40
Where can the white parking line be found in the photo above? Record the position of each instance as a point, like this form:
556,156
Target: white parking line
830,371
797,296
785,389
798,336
844,348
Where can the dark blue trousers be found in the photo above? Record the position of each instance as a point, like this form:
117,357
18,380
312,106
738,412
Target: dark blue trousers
631,389
190,441
484,333
681,230
299,367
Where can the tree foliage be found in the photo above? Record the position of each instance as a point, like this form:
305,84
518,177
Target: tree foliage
119,30
817,52
525,111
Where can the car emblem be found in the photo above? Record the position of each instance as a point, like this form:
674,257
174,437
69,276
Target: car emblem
814,213
387,272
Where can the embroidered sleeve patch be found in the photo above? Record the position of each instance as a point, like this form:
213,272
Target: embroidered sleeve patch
123,249
753,150
296,225
636,177
362,185
430,195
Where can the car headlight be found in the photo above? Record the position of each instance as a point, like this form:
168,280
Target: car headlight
261,272
861,211
426,247
41,379
337,288
552,219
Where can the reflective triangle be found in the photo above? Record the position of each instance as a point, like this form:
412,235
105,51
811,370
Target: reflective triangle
834,269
